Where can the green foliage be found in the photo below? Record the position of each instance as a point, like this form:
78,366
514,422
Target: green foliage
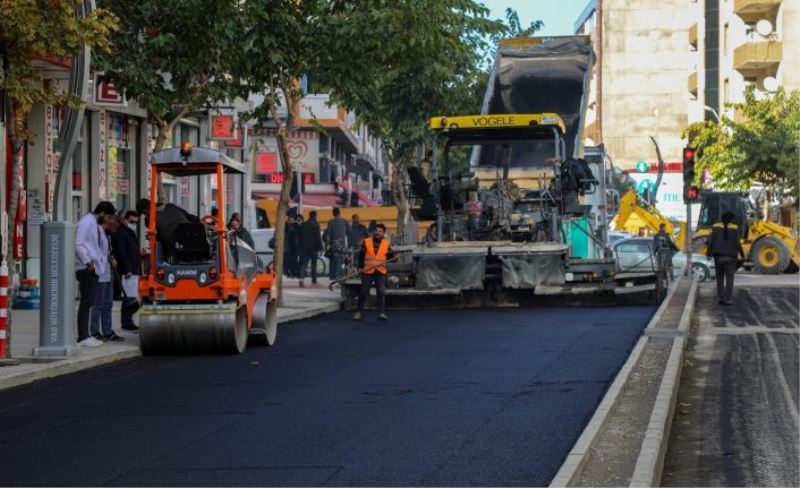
762,146
420,58
32,30
173,56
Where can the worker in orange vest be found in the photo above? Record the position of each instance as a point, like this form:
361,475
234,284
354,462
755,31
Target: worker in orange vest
375,252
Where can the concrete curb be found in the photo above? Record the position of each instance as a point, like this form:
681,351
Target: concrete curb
310,312
62,367
649,462
573,465
73,365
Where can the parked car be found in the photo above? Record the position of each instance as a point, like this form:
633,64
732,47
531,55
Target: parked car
636,254
616,236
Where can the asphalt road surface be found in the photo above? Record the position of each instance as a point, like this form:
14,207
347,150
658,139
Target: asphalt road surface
471,397
737,417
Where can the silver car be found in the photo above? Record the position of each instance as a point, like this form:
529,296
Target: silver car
636,254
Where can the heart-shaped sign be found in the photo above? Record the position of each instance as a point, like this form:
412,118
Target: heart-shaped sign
297,150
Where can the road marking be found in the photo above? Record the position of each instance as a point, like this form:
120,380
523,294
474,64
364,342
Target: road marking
750,329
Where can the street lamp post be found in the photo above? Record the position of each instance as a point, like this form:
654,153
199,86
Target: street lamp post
714,112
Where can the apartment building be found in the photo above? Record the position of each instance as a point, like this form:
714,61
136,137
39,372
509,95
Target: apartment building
738,43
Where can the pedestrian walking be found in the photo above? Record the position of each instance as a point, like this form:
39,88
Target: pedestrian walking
375,252
125,249
101,322
290,248
88,256
336,243
235,225
724,246
663,241
310,245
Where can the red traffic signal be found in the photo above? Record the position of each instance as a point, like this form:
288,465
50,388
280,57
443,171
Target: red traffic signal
688,154
691,194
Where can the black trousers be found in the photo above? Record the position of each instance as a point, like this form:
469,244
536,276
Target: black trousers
87,282
380,289
304,260
726,270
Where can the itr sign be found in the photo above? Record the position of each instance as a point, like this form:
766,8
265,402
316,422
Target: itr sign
105,93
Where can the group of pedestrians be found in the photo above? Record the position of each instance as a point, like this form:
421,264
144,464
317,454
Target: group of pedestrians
106,255
305,241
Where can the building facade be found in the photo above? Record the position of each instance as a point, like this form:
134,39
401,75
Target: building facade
740,43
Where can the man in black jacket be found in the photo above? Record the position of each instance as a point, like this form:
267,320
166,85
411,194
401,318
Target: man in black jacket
310,245
724,246
125,248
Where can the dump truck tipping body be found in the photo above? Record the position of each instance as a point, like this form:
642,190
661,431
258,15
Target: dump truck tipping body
534,75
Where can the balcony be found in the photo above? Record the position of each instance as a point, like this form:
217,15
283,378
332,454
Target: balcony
317,110
693,35
754,55
755,9
693,83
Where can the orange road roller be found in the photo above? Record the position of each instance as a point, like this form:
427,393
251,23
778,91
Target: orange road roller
204,290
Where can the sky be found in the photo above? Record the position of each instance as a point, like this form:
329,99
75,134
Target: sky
558,15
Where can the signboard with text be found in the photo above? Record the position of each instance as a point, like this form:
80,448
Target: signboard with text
222,127
105,93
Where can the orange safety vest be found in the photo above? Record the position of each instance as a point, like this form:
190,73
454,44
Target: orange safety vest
375,260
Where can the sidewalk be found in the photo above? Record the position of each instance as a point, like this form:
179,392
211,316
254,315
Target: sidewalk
300,303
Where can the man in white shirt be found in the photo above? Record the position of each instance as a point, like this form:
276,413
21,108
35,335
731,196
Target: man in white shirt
104,290
88,255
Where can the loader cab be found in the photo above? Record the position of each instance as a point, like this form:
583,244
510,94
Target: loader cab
714,204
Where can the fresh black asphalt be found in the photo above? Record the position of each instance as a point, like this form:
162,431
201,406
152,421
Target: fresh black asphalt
465,397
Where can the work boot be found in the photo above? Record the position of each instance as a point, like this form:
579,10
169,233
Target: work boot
383,316
357,316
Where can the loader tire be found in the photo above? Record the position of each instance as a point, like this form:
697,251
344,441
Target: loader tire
770,256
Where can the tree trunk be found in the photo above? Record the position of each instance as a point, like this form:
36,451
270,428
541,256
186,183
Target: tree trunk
280,218
161,138
400,197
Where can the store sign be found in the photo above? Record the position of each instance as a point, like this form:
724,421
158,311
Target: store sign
222,127
238,141
105,93
266,163
275,178
308,178
123,187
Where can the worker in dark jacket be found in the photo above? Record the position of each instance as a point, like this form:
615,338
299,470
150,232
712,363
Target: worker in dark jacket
663,240
724,246
375,252
336,243
125,248
310,245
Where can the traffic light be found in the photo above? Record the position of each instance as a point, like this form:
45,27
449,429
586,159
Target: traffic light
691,194
688,166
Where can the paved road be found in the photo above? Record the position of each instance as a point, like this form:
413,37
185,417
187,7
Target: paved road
436,398
737,416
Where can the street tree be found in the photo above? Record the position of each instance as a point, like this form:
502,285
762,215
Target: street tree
282,40
33,31
173,57
760,145
421,58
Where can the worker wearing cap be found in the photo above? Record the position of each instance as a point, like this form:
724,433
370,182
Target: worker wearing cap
375,252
